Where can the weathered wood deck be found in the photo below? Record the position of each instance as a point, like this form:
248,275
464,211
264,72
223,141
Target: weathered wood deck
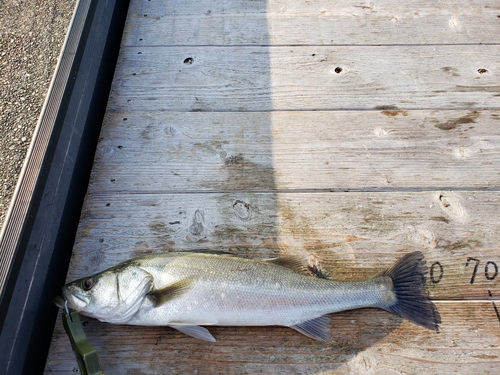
355,131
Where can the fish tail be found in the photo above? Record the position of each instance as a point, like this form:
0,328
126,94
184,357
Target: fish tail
412,302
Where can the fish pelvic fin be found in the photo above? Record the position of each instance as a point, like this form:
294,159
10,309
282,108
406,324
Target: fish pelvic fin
194,331
171,291
317,329
412,301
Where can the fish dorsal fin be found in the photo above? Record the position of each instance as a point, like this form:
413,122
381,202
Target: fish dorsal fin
207,251
292,262
299,264
171,291
318,328
194,331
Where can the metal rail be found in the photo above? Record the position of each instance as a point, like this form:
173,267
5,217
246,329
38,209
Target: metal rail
38,233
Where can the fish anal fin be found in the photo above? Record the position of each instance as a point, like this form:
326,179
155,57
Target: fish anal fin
194,331
171,291
317,329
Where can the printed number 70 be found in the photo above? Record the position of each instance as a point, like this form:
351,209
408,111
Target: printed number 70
488,272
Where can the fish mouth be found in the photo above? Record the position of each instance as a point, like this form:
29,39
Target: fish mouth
81,298
60,301
74,301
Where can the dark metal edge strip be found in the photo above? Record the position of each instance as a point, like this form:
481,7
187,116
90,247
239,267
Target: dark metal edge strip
20,205
39,230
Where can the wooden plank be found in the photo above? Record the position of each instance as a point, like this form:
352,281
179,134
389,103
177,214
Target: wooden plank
385,149
366,341
308,77
317,22
243,125
354,235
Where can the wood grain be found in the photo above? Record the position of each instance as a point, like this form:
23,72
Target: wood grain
354,235
349,131
384,149
323,22
366,341
305,78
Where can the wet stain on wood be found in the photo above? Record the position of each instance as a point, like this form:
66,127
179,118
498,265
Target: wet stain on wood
385,108
450,70
242,173
461,88
394,113
158,227
440,218
469,118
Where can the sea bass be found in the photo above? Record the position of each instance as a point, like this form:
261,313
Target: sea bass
187,290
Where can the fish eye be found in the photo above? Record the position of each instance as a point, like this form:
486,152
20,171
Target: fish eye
87,283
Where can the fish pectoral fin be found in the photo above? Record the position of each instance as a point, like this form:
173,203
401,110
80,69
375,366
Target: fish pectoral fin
171,291
318,328
194,331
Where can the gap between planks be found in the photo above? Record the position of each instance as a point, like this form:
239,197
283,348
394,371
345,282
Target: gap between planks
299,191
311,45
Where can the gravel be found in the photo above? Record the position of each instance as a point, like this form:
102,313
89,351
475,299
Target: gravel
32,33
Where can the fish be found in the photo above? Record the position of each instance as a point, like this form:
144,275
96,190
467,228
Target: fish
189,290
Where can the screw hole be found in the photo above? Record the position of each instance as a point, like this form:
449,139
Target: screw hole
338,69
188,61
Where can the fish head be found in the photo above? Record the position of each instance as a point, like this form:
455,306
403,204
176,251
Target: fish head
112,296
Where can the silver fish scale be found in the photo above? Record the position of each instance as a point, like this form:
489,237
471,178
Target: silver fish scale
236,291
186,290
